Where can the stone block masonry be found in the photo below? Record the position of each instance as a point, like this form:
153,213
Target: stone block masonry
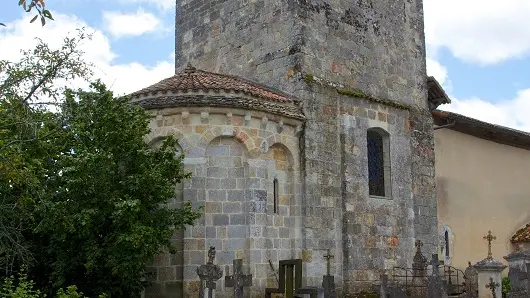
311,49
235,157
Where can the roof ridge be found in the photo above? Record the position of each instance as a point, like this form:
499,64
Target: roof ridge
192,79
192,69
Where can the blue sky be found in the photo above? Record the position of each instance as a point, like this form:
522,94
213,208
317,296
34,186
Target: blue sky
479,50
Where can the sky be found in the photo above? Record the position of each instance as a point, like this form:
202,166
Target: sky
479,50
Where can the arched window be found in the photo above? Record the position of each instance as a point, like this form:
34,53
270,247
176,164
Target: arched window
378,143
276,195
447,244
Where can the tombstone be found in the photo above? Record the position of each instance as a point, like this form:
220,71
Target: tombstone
471,283
383,289
209,274
328,282
489,273
435,285
518,273
290,281
419,269
238,280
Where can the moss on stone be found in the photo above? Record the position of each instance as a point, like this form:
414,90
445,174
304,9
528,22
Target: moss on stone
309,78
386,102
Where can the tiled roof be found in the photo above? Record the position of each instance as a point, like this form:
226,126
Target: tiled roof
194,80
522,235
436,94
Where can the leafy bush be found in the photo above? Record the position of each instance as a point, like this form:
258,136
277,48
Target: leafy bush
505,284
22,287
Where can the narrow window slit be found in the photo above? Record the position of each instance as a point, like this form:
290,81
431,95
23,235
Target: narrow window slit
276,195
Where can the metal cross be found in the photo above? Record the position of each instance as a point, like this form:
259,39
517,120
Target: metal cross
328,258
492,285
238,280
489,238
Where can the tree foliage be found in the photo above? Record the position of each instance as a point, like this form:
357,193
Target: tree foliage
26,128
83,197
105,215
39,6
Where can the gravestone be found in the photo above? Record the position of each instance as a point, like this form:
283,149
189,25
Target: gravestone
489,269
419,269
518,273
209,274
435,285
471,277
238,280
328,283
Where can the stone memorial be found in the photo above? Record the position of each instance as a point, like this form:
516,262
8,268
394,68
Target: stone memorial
489,273
209,274
328,283
238,280
436,287
518,273
419,270
471,281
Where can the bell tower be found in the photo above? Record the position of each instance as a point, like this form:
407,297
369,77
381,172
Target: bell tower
359,68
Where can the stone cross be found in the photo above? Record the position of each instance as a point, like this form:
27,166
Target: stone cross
492,285
328,283
489,238
209,274
238,280
328,258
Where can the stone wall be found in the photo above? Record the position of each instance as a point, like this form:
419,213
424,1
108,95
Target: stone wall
367,49
234,157
371,234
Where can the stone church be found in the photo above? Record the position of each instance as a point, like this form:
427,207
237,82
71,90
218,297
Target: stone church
307,127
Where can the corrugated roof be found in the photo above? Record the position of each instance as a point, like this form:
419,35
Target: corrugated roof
194,80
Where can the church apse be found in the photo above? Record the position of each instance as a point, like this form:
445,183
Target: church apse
243,155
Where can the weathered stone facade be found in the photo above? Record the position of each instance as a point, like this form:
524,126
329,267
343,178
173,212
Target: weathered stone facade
356,65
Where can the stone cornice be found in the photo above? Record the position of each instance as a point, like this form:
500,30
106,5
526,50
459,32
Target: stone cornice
170,101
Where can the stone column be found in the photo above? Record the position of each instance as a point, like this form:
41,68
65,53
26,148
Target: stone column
517,264
489,269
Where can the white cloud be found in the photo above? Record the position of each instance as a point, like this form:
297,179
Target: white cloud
120,24
121,78
482,32
479,31
164,5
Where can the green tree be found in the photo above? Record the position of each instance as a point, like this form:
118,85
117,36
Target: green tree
25,130
104,215
83,197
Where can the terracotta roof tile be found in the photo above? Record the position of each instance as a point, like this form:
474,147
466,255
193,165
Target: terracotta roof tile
193,80
522,235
